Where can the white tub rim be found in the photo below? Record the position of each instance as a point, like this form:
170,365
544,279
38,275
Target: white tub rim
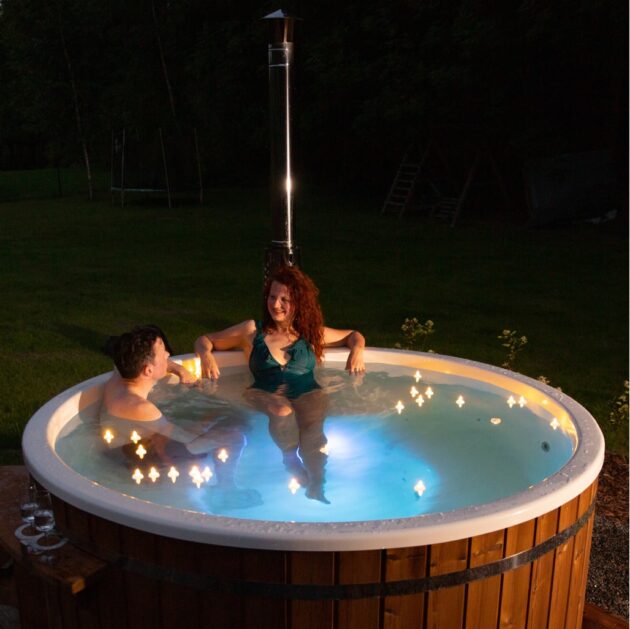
570,481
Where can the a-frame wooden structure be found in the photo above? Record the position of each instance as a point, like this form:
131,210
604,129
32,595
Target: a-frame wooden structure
435,175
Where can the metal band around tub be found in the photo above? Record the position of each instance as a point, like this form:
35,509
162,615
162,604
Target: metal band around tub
350,591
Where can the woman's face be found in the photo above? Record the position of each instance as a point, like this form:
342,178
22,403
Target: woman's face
279,304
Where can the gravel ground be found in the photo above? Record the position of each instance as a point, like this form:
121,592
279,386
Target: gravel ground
608,573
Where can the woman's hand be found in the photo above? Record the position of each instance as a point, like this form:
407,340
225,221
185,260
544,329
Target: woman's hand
207,362
209,367
355,363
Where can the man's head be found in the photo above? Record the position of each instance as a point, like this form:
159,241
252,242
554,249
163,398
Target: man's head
143,351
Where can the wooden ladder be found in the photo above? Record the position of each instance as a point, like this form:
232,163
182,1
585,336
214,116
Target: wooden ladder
403,186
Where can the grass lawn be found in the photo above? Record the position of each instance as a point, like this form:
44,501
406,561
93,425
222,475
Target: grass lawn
73,272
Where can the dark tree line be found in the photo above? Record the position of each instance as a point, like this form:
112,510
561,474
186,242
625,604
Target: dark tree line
546,76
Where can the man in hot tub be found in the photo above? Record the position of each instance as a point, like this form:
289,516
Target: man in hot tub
141,358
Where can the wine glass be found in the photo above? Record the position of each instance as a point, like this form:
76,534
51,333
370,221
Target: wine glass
28,504
44,522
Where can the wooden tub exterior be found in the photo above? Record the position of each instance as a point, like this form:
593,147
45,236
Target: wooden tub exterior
531,575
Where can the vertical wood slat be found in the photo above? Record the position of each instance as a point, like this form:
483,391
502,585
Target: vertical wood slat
445,608
111,597
359,567
405,612
542,572
482,602
179,604
589,541
265,566
562,567
54,617
220,609
142,593
515,586
579,566
318,568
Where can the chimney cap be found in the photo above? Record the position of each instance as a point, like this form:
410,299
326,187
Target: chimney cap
280,14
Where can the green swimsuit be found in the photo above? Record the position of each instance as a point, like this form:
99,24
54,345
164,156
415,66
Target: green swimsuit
291,380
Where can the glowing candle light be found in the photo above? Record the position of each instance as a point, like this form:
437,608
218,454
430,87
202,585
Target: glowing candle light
399,407
223,455
173,473
420,400
413,391
417,376
138,476
207,473
555,423
324,450
460,401
429,392
196,476
293,485
495,420
522,401
153,474
140,451
135,437
511,401
108,436
419,488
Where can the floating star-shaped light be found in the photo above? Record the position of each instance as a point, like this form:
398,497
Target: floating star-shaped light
413,391
555,423
108,436
140,451
495,420
173,473
420,400
419,488
207,473
417,376
429,392
325,450
153,474
399,407
196,476
511,401
137,476
223,455
293,485
460,401
135,437
522,401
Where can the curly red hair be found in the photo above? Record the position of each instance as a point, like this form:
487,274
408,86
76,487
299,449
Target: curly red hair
308,320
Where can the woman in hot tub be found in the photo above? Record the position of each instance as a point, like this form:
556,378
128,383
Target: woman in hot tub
283,350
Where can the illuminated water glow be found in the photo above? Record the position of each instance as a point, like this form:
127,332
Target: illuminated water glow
378,455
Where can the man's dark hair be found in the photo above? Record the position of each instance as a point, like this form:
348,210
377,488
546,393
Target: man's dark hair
133,350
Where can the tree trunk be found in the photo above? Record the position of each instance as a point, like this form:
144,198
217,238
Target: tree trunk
171,100
77,112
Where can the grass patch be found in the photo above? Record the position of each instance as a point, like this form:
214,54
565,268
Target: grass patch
74,272
49,183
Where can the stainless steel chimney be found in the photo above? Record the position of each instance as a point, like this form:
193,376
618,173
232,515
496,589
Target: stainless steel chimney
283,250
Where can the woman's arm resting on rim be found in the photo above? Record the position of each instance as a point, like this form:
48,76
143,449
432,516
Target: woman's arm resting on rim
230,338
351,339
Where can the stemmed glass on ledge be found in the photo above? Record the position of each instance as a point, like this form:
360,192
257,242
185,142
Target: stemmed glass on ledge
28,504
44,522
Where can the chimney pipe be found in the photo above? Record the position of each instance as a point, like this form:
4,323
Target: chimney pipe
283,250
